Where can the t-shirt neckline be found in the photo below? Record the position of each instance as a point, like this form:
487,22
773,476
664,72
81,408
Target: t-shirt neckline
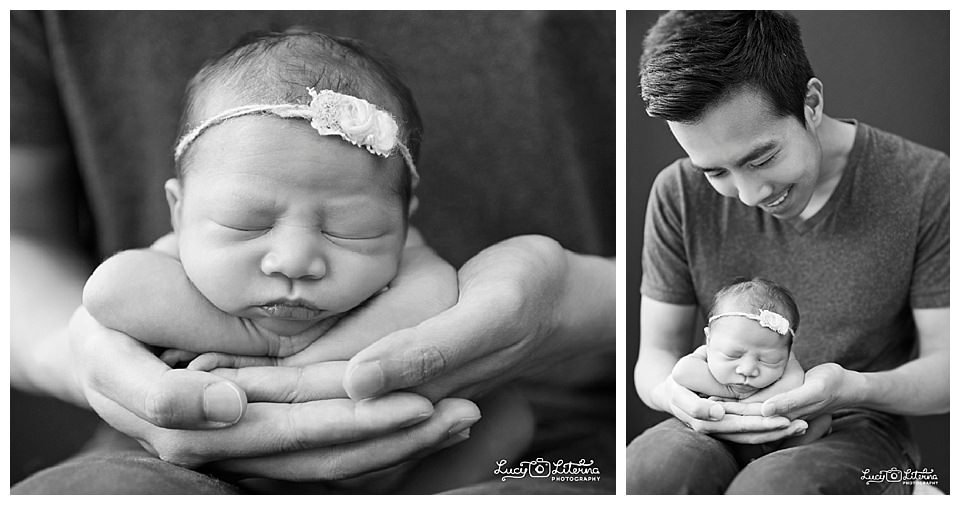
802,226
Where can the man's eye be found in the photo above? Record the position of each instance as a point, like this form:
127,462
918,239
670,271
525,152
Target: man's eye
714,173
764,162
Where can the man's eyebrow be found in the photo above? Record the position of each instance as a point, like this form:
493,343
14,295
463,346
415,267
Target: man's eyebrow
754,153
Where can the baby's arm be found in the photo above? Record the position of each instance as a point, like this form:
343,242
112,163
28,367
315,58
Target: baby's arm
692,373
146,294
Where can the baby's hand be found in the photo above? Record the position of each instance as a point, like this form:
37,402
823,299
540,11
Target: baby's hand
173,357
209,361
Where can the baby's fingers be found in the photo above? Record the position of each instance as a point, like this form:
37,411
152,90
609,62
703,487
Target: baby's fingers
742,409
212,360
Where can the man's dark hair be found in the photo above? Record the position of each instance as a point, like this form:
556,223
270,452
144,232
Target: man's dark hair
278,67
693,60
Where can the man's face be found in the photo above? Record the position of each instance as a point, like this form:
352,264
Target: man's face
747,152
285,227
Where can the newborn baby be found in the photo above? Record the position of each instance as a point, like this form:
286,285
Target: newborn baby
748,352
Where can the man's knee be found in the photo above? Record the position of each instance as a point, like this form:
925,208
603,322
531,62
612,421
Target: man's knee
670,458
126,472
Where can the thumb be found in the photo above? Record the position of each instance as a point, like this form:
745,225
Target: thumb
139,382
413,356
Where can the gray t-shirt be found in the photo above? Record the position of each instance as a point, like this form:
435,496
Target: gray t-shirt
878,248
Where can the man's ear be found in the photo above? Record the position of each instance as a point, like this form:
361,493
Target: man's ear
174,191
813,102
414,205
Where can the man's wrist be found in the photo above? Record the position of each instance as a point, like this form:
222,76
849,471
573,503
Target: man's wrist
857,389
588,310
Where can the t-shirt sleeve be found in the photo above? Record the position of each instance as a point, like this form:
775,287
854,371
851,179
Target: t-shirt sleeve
665,271
931,270
36,118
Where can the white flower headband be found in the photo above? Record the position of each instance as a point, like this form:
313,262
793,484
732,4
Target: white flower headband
353,119
766,318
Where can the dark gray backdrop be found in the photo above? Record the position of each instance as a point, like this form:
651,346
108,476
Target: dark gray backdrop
888,69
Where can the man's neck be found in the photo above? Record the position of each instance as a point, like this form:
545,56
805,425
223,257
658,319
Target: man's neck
836,142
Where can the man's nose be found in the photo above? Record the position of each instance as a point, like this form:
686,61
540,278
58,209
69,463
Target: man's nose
295,255
751,191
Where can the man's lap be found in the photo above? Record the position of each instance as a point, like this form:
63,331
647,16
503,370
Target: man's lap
671,458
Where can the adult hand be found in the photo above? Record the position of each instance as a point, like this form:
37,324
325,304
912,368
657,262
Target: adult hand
172,413
826,388
524,305
730,421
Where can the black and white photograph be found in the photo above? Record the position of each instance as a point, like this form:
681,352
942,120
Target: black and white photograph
321,252
788,274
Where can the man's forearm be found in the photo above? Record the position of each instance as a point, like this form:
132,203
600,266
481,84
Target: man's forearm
45,286
919,387
653,367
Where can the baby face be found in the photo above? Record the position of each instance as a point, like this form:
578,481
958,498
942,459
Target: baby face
744,355
285,227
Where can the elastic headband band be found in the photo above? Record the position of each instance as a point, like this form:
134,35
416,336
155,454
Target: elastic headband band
330,113
766,318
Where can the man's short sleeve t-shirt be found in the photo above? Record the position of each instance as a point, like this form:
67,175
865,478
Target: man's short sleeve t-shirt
878,248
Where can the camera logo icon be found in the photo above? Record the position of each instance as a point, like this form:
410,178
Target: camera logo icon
539,468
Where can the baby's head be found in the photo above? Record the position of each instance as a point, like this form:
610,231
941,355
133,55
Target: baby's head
295,172
749,334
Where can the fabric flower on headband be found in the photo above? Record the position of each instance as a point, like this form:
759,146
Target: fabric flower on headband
766,318
353,119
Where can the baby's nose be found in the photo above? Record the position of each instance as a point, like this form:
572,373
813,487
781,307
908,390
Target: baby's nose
748,368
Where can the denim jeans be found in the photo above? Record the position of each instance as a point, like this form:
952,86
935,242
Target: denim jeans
670,458
112,463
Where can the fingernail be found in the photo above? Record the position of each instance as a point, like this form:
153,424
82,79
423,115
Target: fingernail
417,420
716,412
455,439
222,403
462,424
365,380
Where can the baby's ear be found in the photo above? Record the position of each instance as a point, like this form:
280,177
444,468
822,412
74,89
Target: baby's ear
706,333
174,191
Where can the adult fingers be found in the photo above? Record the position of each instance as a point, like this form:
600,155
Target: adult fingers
269,429
137,380
795,428
796,403
697,408
413,356
278,384
740,424
451,418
